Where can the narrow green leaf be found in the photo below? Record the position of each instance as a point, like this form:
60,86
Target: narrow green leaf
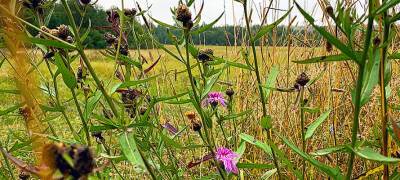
253,141
268,174
370,154
162,23
313,126
130,149
254,166
271,80
206,27
371,76
329,37
11,109
131,83
91,104
331,172
86,34
171,143
266,29
330,58
385,6
330,150
50,43
67,75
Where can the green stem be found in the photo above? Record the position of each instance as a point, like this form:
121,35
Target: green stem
210,145
357,103
302,119
384,111
259,83
85,126
86,60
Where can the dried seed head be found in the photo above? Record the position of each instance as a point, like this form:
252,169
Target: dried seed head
124,50
32,4
328,46
113,16
63,31
196,126
377,41
302,80
130,12
329,11
79,74
83,162
230,92
190,115
84,2
23,175
184,15
205,55
110,38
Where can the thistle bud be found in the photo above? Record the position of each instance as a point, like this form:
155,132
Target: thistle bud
205,55
130,12
184,15
48,55
301,80
84,2
63,31
196,126
329,11
377,41
190,115
23,175
230,92
328,46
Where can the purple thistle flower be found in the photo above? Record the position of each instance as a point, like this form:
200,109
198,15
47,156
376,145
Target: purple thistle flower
171,129
213,99
228,158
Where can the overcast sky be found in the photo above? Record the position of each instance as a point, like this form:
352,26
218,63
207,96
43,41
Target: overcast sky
213,8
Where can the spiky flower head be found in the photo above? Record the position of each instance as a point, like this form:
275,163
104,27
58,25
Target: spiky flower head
213,99
228,158
301,80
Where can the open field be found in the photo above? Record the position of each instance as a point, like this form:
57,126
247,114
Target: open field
331,91
91,93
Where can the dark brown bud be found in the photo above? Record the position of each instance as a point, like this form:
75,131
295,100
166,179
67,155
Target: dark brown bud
23,175
79,74
229,92
302,80
83,162
63,31
184,15
328,46
84,2
48,55
205,55
329,11
377,41
124,50
196,126
190,115
130,12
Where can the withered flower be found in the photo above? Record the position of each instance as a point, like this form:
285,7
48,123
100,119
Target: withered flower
205,55
301,80
184,15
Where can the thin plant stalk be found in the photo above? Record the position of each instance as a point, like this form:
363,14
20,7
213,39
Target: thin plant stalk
360,78
302,119
384,108
260,89
86,60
